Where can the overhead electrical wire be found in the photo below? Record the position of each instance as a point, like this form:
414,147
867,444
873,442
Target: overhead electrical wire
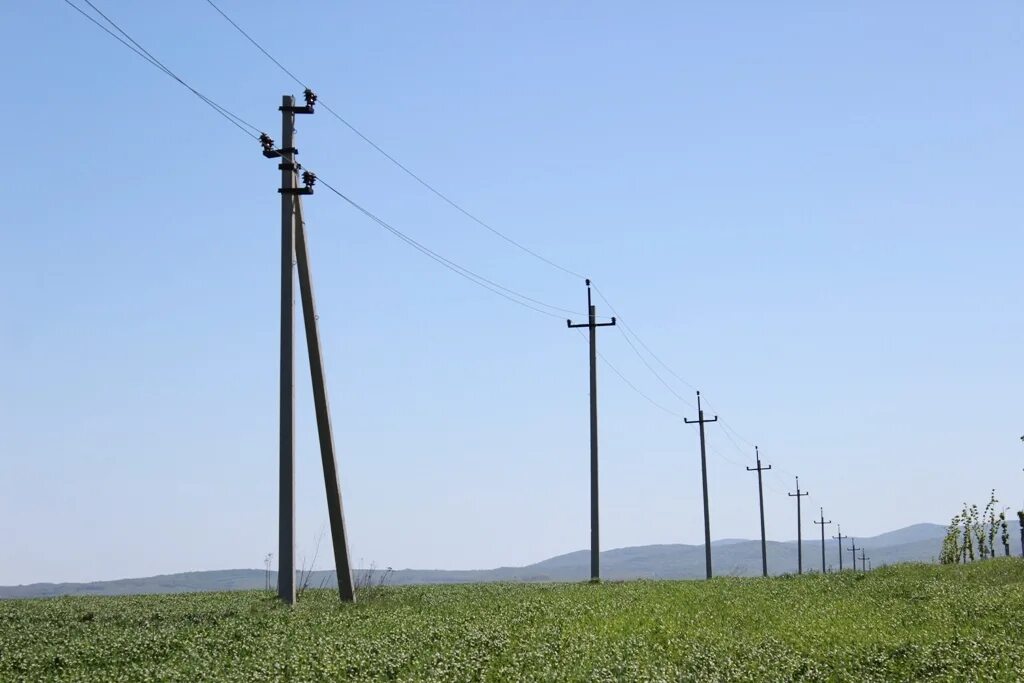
133,45
632,386
511,295
506,292
625,329
412,174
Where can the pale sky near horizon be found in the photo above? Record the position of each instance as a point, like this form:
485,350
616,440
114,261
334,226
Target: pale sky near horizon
810,211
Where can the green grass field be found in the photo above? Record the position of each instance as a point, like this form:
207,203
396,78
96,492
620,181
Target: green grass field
910,622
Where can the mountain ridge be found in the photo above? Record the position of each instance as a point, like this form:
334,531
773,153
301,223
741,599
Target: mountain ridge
731,557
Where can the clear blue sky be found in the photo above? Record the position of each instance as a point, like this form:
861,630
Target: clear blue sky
811,211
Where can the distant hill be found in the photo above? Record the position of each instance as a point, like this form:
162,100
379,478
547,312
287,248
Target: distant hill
730,557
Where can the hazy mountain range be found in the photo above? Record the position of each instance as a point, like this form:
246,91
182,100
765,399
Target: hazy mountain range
730,557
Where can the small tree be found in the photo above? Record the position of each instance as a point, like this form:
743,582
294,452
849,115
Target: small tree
1020,519
951,547
1005,535
970,515
971,535
989,519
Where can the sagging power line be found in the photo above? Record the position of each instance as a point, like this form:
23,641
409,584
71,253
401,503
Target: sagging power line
133,45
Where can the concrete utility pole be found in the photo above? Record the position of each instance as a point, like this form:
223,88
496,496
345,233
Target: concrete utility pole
760,502
286,483
295,251
863,561
853,551
799,528
822,523
840,538
704,480
595,536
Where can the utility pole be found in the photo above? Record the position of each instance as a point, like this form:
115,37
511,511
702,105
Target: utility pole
853,551
863,561
595,536
760,501
840,538
294,251
822,524
704,480
286,483
799,531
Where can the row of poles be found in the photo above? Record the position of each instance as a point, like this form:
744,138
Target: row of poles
294,252
595,544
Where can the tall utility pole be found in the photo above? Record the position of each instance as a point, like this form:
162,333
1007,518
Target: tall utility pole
840,538
293,246
863,561
595,536
853,551
760,501
822,523
799,528
704,480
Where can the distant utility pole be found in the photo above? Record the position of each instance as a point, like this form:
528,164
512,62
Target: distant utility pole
799,531
840,538
704,479
760,502
822,523
863,561
295,252
595,536
853,551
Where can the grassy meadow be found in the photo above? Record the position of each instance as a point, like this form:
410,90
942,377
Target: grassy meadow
909,622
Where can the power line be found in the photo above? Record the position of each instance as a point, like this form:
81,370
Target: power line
626,330
142,52
648,349
510,294
632,386
419,179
